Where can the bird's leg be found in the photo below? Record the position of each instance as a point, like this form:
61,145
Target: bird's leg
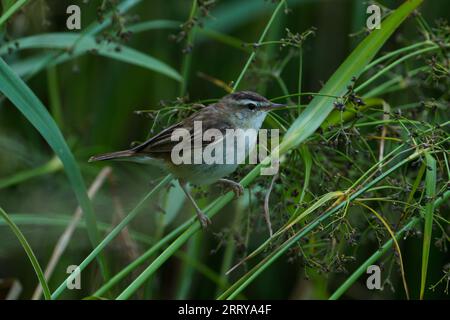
238,189
204,220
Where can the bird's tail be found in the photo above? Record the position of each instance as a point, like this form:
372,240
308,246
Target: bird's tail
113,155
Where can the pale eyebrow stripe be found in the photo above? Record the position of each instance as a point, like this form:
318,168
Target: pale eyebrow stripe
245,101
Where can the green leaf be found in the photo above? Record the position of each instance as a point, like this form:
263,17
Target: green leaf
383,249
6,4
319,108
154,24
9,9
307,160
362,269
23,241
430,190
77,45
34,64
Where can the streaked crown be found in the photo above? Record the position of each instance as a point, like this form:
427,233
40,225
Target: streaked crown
247,99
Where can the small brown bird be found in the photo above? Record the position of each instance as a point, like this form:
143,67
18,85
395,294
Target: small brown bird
240,110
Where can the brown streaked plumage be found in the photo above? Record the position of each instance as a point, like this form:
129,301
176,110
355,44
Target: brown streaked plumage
239,110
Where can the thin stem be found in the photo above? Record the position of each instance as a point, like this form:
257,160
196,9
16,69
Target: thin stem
23,241
13,9
373,258
261,39
392,65
187,59
53,92
397,247
300,77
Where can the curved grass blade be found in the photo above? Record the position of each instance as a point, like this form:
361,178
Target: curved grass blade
372,259
29,105
123,7
154,24
11,10
23,241
30,66
77,45
397,246
430,190
307,160
319,108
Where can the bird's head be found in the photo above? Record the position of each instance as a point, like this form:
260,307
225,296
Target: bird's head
248,101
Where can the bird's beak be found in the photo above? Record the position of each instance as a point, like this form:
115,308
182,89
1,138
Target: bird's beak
273,106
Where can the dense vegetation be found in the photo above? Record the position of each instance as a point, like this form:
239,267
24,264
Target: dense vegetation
364,174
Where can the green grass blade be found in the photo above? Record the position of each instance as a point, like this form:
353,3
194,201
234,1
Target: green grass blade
37,268
353,66
31,66
54,96
29,105
123,7
154,24
372,259
307,160
81,44
261,39
11,10
430,190
187,58
6,4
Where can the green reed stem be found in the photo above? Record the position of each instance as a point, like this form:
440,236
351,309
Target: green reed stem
187,59
261,39
13,9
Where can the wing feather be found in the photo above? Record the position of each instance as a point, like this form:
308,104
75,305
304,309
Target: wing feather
161,144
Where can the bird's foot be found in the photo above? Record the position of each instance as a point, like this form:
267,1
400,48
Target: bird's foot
203,218
205,221
237,188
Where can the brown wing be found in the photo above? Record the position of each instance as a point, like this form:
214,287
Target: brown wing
161,144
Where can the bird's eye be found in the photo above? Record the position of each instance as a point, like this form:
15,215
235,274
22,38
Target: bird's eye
251,105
